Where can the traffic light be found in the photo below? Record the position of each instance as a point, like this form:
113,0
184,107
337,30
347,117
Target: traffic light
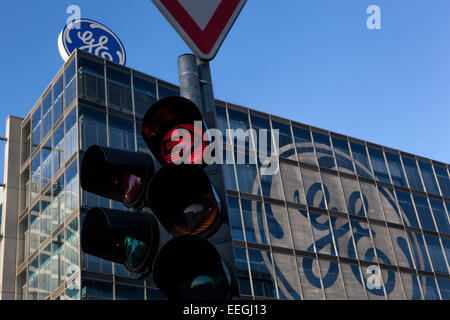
175,117
123,237
190,268
180,198
117,174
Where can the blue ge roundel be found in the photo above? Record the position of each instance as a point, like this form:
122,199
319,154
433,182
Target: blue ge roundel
93,37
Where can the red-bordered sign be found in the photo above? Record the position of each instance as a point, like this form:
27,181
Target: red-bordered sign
203,24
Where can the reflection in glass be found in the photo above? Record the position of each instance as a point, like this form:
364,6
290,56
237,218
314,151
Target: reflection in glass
241,265
144,94
91,80
119,89
424,213
92,127
310,276
428,178
301,230
287,277
395,168
412,173
361,160
278,225
342,154
262,274
305,148
409,214
444,181
285,138
323,150
292,183
234,214
378,165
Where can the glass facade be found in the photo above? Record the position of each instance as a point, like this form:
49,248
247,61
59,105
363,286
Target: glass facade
336,212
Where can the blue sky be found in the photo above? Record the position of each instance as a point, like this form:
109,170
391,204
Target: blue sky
313,61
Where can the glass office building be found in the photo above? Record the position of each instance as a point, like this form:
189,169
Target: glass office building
336,212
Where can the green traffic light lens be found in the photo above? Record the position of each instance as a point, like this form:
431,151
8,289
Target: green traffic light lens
135,252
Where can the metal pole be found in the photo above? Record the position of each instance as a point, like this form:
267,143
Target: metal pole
189,79
206,86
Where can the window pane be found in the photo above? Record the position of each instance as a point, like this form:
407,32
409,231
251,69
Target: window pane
121,133
390,208
71,136
239,121
436,254
47,114
440,216
91,80
57,100
119,89
371,201
254,224
58,149
424,213
92,127
292,183
385,251
353,283
234,214
305,148
395,167
322,233
313,188
412,173
286,145
353,196
36,120
262,275
69,84
364,245
361,160
428,178
333,192
165,92
409,214
342,153
378,165
125,292
241,264
301,230
92,289
323,150
444,286
278,224
309,272
342,236
144,94
332,280
287,277
262,140
444,182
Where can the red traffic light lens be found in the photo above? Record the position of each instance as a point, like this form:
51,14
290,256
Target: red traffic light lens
130,187
184,138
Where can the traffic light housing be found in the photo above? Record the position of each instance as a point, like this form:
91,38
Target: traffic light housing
184,201
117,174
196,263
123,237
190,268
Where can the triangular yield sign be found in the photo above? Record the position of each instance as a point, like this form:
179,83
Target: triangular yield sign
203,24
